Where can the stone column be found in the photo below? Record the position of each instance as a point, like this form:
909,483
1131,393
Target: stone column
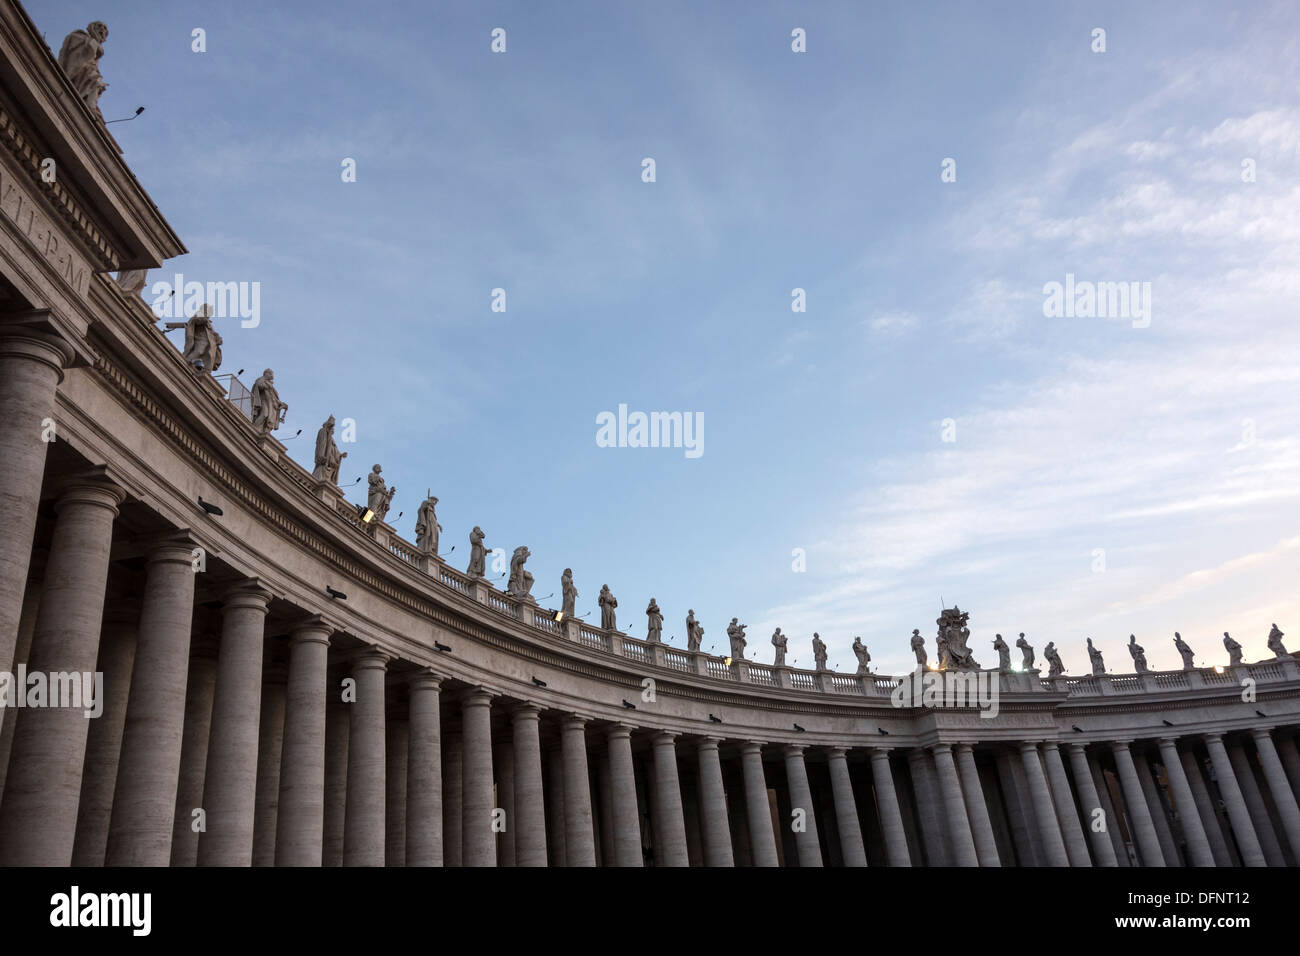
1044,811
22,651
337,727
530,809
104,744
452,792
846,809
668,801
424,772
1238,814
230,787
38,818
503,765
579,832
555,805
300,827
622,781
1139,817
713,806
148,774
364,831
1283,798
1198,845
1159,814
928,800
762,839
478,840
891,818
986,847
1259,815
1286,749
807,846
954,806
1102,849
1205,808
199,694
31,368
1076,848
397,745
270,760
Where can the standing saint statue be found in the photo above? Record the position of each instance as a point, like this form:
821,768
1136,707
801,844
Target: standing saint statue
380,495
268,410
736,634
79,57
654,623
860,652
1275,644
568,593
819,652
607,602
520,582
1185,650
477,553
427,527
694,633
1004,653
202,341
1098,665
1138,653
1055,667
918,648
1234,649
779,642
328,457
1026,653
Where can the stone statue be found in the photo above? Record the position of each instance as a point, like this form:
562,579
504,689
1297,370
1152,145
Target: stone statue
380,496
1234,649
1004,653
1139,654
779,642
328,457
819,652
202,341
1055,667
736,634
654,623
520,582
1275,644
477,554
953,633
568,593
79,57
268,410
861,653
427,527
1185,650
608,603
1098,665
694,633
1026,653
132,281
918,648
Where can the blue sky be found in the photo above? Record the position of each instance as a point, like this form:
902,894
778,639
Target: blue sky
1171,448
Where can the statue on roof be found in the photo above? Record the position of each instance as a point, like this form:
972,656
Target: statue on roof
79,57
202,341
953,634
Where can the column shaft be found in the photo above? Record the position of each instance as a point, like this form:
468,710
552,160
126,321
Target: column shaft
1102,848
424,773
1044,811
300,825
579,831
270,764
478,838
891,817
853,849
1198,845
1135,802
954,805
807,846
986,847
622,785
530,808
715,825
1076,847
1283,798
398,744
364,833
758,809
1242,828
199,694
668,801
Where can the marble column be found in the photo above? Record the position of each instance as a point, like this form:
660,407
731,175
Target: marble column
38,818
555,805
300,825
1283,798
22,651
230,785
622,786
364,832
104,743
1049,829
954,807
1076,847
530,808
148,773
397,741
716,829
1198,844
1113,817
1141,825
424,772
852,847
928,801
579,831
986,847
762,838
478,839
199,694
891,817
1259,815
1242,828
1206,809
270,761
31,368
338,721
503,765
453,764
1156,805
668,802
807,846
1102,848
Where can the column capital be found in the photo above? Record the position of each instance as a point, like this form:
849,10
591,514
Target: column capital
1167,739
33,339
1027,745
425,679
664,737
836,753
962,747
371,658
525,710
708,743
1051,745
477,696
752,746
879,752
941,748
247,595
90,491
1077,746
618,730
572,719
794,750
312,629
1259,733
1119,745
1213,736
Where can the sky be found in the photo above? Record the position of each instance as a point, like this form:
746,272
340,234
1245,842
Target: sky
923,432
